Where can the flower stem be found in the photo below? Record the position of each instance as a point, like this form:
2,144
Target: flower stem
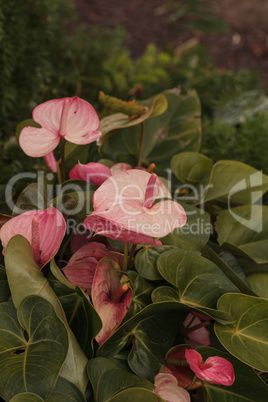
125,256
141,144
192,383
131,255
62,160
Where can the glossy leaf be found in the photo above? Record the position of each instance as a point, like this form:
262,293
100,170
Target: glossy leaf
27,397
142,290
248,386
208,253
246,230
198,281
107,379
31,363
235,181
32,197
81,315
247,337
75,205
194,234
259,283
65,391
170,295
136,395
191,167
25,279
145,261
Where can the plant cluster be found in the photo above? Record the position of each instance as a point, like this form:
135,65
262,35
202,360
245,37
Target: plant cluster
135,268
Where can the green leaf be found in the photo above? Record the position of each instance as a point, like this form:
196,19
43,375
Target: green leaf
198,281
244,230
247,337
26,397
25,123
145,261
81,315
4,288
76,204
136,395
177,129
142,290
107,379
191,167
25,279
259,283
235,181
168,294
248,386
31,198
65,391
194,234
208,253
31,363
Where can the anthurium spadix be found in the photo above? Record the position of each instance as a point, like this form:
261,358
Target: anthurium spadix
44,229
81,267
125,209
73,119
111,297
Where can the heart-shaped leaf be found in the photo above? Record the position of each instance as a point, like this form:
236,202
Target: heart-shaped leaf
25,279
107,379
198,281
245,228
248,386
191,167
27,397
142,290
32,362
65,391
259,283
32,197
136,395
194,234
247,337
145,261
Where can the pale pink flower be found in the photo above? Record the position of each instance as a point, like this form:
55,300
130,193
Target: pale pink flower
110,297
44,229
81,267
198,337
73,119
215,370
167,387
125,209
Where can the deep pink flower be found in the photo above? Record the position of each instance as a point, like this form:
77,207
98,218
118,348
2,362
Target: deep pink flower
124,209
111,297
167,387
73,119
81,267
215,370
198,337
44,229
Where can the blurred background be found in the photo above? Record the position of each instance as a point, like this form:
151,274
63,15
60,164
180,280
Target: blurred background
133,50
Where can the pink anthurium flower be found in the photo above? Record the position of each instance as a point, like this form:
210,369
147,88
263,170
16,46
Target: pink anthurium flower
73,119
124,209
93,172
175,364
111,297
44,229
51,162
81,267
215,370
197,333
166,386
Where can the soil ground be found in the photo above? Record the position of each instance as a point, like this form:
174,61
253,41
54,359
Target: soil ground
245,46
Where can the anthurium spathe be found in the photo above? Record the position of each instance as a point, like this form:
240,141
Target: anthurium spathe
167,387
197,334
44,229
81,267
215,370
73,119
51,162
125,209
111,297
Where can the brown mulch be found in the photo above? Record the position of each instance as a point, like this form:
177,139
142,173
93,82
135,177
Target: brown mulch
245,46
